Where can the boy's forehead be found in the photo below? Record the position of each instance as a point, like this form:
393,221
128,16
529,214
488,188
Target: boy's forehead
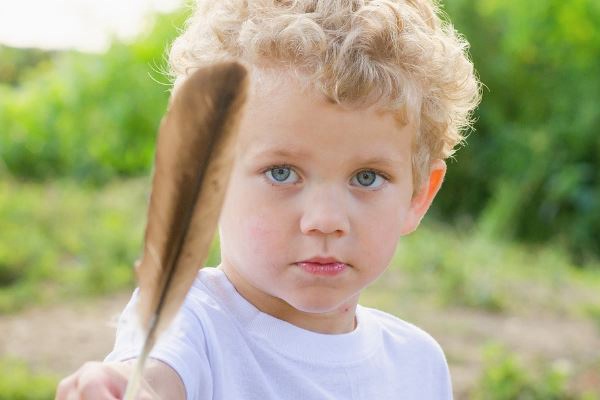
286,117
382,156
272,143
273,87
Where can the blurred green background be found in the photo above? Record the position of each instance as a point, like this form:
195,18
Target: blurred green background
513,235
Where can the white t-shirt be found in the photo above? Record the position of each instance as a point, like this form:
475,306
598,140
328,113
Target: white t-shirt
224,348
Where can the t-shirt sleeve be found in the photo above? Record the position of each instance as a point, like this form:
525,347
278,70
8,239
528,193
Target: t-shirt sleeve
417,356
441,373
182,346
433,367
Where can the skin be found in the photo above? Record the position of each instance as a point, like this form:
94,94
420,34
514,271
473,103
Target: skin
108,381
310,178
318,206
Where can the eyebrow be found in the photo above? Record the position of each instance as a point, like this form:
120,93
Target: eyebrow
296,154
385,161
284,153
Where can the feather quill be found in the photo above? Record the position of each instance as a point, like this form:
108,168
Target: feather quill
194,156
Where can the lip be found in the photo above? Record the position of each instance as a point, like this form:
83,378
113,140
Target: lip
321,260
323,266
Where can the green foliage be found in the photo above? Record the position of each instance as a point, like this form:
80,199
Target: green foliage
505,378
88,117
18,382
593,311
63,240
464,267
531,171
16,63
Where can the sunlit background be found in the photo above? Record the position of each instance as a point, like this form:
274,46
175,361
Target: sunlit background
504,272
85,25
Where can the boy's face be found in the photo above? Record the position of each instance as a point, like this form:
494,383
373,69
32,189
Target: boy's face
313,180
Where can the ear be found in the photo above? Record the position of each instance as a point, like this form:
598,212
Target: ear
424,196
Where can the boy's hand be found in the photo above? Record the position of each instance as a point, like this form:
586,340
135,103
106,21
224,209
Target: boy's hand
95,380
108,381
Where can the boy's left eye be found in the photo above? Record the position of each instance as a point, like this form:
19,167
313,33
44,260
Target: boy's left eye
368,179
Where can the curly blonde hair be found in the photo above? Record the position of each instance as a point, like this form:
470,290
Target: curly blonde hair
398,55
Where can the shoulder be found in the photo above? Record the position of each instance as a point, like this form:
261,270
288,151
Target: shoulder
405,337
412,354
207,301
213,303
204,292
200,322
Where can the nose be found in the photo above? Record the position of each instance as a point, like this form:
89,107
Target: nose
324,212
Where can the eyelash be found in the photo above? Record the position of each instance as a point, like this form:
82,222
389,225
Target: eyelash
273,167
385,176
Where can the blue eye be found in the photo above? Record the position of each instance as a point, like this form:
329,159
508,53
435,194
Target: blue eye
368,179
280,174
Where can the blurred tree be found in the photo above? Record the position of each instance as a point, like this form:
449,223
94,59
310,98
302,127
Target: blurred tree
87,116
531,170
15,63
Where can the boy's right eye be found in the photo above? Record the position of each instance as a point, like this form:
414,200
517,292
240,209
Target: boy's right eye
281,174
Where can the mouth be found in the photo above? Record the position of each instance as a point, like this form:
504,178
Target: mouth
323,266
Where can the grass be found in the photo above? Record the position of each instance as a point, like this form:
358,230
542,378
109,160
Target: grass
18,382
505,377
464,268
61,240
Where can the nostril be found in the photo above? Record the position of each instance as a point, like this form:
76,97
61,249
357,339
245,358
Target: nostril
325,211
325,225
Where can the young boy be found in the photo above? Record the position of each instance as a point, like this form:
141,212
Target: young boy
353,107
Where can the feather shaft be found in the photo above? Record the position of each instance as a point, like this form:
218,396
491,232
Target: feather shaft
194,157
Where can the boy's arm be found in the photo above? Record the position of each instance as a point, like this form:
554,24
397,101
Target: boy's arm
104,380
163,380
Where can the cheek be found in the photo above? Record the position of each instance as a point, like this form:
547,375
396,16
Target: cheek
383,234
255,226
263,235
259,229
383,240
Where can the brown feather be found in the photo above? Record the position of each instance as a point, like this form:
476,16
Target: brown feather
194,156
